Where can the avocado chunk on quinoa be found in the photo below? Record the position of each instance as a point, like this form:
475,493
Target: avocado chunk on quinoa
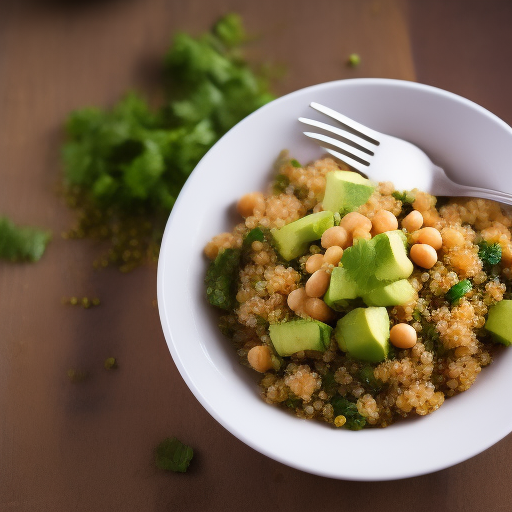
341,289
499,322
293,239
291,337
396,293
364,334
345,191
391,260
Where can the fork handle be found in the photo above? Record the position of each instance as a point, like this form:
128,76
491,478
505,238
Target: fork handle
485,193
444,186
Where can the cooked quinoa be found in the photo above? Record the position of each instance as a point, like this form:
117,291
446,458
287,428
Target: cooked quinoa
452,347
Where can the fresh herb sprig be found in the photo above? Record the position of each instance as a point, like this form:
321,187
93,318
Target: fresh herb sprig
124,166
21,243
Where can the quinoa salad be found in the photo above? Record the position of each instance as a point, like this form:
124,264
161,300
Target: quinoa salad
356,303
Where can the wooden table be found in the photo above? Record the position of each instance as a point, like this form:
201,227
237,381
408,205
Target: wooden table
88,446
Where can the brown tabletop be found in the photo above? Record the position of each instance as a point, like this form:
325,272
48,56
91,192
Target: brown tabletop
89,446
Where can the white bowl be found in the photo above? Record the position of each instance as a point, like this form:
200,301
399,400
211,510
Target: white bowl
472,144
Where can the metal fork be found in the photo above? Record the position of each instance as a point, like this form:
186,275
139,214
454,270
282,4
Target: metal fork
385,158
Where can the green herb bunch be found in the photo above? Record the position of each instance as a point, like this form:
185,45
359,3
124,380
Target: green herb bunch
124,167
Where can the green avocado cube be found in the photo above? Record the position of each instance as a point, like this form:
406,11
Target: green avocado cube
396,293
293,239
345,191
391,260
291,337
499,322
341,289
364,333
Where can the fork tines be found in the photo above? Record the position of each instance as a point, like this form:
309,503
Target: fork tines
355,144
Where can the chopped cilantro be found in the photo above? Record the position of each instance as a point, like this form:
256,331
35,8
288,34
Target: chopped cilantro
357,260
172,455
255,235
124,166
292,402
295,163
431,339
490,254
329,383
457,291
405,196
21,243
281,181
368,379
344,407
110,363
354,60
221,279
230,30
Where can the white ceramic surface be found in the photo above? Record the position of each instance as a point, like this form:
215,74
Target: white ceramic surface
472,145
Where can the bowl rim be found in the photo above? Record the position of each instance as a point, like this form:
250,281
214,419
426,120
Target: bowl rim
173,348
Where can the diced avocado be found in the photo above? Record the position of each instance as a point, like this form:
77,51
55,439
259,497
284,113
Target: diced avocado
396,293
364,333
296,335
499,322
391,260
292,240
341,289
345,191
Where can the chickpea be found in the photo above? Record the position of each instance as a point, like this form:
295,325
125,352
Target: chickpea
413,221
403,336
318,309
383,221
361,233
259,358
355,220
314,263
318,283
333,255
430,236
336,235
296,299
249,202
423,255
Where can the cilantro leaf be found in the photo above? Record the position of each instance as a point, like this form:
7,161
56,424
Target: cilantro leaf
172,455
343,407
221,278
359,260
406,196
125,166
255,235
21,243
230,30
490,254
